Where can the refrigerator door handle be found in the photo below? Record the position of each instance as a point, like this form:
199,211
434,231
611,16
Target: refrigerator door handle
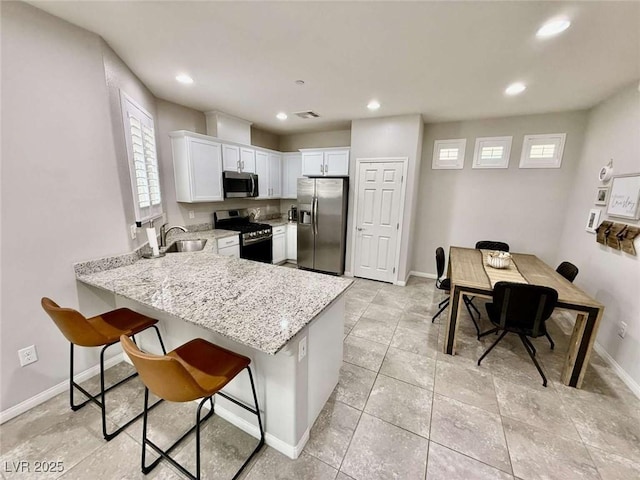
315,215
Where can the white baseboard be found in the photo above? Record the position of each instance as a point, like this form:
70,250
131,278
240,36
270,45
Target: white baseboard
423,275
42,397
290,451
624,376
348,274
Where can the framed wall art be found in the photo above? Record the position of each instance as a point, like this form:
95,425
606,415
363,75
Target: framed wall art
624,197
592,220
602,195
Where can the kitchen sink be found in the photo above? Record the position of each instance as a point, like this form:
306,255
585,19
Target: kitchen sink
186,246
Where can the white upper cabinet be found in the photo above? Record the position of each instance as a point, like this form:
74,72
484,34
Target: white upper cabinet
248,160
312,164
262,169
269,170
329,162
197,164
336,163
275,175
231,158
291,171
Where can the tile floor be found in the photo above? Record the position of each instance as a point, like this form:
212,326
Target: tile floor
402,410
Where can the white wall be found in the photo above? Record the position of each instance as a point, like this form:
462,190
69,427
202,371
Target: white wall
612,276
333,138
62,199
264,139
119,77
524,207
399,136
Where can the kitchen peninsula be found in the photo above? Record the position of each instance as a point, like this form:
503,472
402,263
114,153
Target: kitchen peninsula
289,322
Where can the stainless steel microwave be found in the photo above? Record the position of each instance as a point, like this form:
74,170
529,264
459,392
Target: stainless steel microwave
239,184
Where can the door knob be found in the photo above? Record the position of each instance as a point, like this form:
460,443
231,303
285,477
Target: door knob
360,229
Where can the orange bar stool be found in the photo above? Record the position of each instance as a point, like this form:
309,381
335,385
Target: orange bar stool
99,331
196,370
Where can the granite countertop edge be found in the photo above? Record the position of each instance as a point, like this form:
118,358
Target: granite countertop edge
258,305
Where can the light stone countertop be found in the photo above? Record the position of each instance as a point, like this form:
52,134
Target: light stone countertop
275,222
255,304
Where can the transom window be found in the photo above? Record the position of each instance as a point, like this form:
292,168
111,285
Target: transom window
448,154
542,151
492,152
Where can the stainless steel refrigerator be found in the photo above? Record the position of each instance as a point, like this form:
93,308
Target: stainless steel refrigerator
322,223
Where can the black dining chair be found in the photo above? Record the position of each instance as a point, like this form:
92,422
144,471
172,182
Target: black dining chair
492,245
486,245
522,309
445,285
569,271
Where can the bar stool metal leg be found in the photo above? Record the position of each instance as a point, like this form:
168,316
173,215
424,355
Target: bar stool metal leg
199,421
100,399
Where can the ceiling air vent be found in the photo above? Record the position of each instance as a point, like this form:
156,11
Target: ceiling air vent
306,114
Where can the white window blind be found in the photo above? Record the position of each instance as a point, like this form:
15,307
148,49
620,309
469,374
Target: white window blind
143,159
542,151
492,152
448,154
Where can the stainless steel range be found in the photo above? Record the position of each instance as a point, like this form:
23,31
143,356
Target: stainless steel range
256,239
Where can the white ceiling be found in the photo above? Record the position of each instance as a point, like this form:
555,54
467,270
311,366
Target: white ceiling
445,60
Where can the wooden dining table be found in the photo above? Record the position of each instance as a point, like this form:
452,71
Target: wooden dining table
471,276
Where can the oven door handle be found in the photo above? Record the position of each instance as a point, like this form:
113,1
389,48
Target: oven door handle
257,240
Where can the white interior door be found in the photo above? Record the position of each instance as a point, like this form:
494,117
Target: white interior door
377,219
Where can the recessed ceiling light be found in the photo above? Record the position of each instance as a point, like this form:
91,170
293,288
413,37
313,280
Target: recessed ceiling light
281,116
184,78
373,105
299,82
553,27
515,88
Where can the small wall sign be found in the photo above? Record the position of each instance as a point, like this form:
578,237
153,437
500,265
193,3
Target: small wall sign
624,198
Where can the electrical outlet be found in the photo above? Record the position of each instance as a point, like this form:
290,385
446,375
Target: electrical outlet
302,348
192,214
27,355
133,231
622,329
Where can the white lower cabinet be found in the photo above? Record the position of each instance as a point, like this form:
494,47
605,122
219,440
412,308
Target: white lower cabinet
229,246
292,242
279,244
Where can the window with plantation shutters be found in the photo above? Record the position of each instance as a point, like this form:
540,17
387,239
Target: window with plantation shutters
542,151
448,154
143,160
492,152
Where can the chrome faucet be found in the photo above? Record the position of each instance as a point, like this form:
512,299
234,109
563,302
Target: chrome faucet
164,231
